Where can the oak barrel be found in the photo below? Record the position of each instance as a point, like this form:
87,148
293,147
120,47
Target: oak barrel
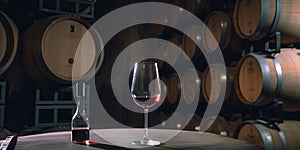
8,42
50,47
268,137
220,25
256,19
191,86
173,88
260,79
189,46
220,126
210,95
170,54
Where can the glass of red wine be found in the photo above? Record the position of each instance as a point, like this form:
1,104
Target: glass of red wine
146,92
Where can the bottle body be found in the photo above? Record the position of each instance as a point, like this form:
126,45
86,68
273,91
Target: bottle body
80,124
80,129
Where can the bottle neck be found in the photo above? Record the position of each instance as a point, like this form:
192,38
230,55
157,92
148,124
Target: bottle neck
81,104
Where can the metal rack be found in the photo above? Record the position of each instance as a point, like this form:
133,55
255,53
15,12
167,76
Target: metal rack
54,108
250,47
272,113
75,11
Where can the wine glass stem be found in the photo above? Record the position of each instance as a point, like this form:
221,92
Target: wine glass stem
146,121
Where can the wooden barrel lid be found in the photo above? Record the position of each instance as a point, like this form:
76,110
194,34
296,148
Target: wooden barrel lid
250,80
190,85
59,46
173,88
214,24
248,16
249,132
207,81
211,96
188,45
219,25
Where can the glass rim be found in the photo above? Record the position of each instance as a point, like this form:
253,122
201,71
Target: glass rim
148,62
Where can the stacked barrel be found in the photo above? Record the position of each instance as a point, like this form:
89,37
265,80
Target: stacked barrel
43,53
54,45
259,73
9,36
264,79
243,30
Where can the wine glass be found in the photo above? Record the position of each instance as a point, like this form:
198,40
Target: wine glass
146,92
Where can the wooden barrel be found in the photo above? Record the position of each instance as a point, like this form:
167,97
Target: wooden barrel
260,79
270,138
220,26
220,126
50,47
173,88
190,86
175,15
8,42
170,54
189,46
191,5
255,19
212,96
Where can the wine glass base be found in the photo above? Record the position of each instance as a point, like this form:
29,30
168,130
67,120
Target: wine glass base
146,142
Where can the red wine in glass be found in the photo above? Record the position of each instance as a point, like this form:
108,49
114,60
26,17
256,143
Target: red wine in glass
80,135
146,100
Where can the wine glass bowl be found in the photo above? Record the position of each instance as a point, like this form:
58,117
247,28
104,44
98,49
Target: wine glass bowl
146,93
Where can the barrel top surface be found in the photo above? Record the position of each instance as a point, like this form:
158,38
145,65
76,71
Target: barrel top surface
173,88
184,140
248,16
190,85
250,79
214,24
249,132
3,41
64,40
211,80
188,45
